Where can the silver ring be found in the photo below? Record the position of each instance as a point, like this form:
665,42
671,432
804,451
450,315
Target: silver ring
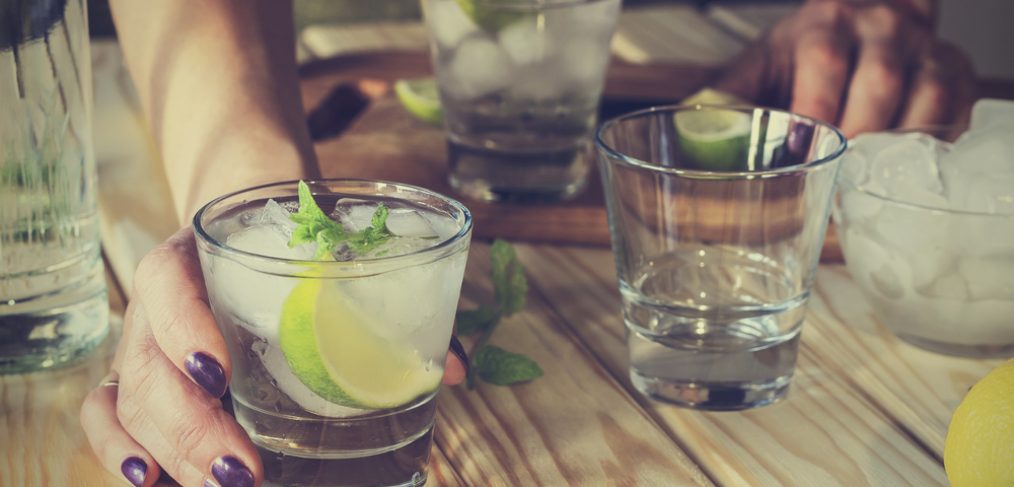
110,383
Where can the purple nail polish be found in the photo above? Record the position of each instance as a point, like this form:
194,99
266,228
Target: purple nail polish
134,469
207,373
458,349
230,472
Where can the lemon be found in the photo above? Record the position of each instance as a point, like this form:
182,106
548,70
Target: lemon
332,349
979,451
714,140
421,98
490,18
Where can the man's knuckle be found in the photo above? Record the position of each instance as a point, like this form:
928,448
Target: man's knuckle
935,91
826,56
884,77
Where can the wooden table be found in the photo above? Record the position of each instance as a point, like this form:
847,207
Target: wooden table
864,408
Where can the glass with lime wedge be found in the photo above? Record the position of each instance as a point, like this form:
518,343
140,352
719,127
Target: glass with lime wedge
336,299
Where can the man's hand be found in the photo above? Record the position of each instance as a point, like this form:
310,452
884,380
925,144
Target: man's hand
863,66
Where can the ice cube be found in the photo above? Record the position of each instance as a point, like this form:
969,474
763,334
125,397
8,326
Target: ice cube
447,23
875,266
540,82
989,151
269,240
989,278
275,214
583,61
274,361
987,113
854,168
860,207
406,222
907,171
479,68
921,236
526,41
354,214
594,19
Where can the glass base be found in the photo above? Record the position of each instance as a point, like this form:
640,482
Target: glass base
61,335
531,176
711,396
972,351
403,467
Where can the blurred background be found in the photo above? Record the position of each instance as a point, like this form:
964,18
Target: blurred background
981,27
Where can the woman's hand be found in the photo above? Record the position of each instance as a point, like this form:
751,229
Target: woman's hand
160,408
865,66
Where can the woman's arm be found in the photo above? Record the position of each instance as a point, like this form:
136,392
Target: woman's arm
219,87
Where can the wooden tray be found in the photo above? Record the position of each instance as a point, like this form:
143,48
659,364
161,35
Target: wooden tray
362,131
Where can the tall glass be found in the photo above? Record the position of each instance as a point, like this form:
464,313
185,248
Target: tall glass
717,217
53,306
520,82
336,360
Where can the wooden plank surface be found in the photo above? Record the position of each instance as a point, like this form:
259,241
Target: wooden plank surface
857,389
864,409
43,443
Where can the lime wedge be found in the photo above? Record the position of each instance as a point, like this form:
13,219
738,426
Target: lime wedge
331,348
714,140
421,98
489,18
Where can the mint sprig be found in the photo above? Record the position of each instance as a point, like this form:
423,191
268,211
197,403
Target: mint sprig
510,287
313,225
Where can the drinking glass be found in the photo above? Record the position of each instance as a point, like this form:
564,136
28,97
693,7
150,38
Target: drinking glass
337,357
717,218
53,306
520,82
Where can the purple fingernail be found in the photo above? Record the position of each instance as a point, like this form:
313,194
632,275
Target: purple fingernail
459,350
230,472
207,373
133,469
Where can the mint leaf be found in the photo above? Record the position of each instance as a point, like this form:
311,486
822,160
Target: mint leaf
314,225
500,367
509,283
472,321
373,236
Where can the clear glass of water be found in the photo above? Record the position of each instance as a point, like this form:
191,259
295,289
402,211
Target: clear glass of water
717,217
520,82
53,306
337,356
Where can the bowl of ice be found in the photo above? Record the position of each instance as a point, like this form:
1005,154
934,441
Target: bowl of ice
927,229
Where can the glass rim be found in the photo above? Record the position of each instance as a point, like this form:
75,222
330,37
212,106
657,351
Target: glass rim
202,233
805,167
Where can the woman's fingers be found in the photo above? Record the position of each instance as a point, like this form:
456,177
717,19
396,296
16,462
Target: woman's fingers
456,364
117,451
170,287
185,430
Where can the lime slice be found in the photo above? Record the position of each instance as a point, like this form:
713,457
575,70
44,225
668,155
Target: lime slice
714,140
421,98
331,348
487,17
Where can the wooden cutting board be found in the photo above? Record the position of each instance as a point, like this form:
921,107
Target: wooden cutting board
362,131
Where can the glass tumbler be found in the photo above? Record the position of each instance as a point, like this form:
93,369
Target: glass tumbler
717,217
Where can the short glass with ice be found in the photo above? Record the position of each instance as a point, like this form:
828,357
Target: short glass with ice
336,299
520,83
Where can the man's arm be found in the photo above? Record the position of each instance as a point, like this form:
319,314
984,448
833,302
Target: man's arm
219,87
